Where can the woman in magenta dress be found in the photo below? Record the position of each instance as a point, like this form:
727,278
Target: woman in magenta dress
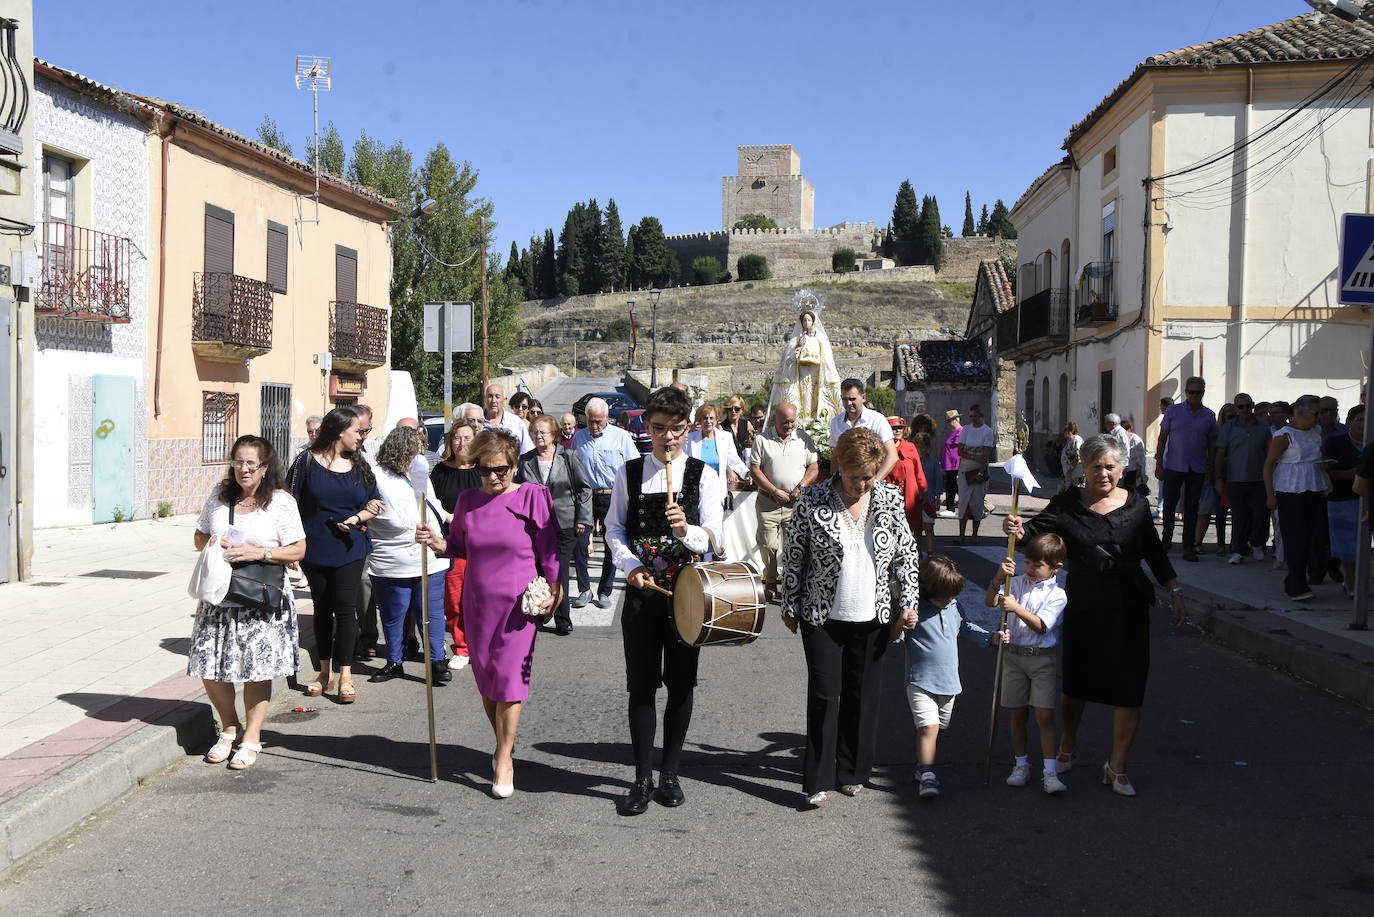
508,533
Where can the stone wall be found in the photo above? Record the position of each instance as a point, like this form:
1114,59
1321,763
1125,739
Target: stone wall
789,199
790,252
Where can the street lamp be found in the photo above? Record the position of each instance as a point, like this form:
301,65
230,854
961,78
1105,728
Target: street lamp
1349,10
653,356
630,341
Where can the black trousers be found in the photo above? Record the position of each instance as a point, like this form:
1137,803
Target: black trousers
1249,515
1187,484
567,541
1297,526
654,657
369,632
601,504
951,490
843,679
334,594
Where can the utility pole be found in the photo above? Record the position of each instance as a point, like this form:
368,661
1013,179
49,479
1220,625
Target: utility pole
486,310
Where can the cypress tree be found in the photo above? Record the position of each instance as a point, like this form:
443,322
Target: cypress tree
983,222
906,216
656,263
932,243
968,216
571,256
512,271
546,272
591,248
999,224
632,259
610,262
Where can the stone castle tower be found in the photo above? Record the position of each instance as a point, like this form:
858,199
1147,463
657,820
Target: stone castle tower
769,182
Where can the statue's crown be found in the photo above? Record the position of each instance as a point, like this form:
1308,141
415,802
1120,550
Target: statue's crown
807,301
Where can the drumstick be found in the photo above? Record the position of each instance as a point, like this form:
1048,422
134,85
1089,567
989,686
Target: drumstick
657,588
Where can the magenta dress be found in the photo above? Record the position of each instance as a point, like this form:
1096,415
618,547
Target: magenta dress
508,540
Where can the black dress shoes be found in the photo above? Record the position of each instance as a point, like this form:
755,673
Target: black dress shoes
440,673
669,791
387,672
563,630
636,802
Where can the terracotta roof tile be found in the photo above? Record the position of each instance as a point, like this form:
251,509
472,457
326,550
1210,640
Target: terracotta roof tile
993,275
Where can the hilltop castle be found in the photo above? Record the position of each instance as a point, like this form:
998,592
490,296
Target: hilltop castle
769,182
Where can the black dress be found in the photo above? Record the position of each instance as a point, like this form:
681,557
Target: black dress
1106,626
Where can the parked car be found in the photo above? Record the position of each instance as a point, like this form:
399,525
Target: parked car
616,402
434,428
634,424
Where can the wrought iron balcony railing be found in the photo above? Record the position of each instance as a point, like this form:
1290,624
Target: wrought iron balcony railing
1039,322
231,317
1096,294
357,335
85,274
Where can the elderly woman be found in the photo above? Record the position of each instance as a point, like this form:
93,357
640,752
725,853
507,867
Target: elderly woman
560,470
508,533
1295,484
449,478
254,518
1106,626
735,422
848,539
716,447
394,564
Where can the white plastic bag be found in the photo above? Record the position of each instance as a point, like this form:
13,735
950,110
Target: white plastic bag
210,578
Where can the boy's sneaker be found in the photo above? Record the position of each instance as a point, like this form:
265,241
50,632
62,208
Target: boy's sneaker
1256,553
1234,558
930,785
1020,775
1053,785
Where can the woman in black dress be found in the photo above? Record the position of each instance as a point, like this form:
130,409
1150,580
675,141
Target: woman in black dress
1106,630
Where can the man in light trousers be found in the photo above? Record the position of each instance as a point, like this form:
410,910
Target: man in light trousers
782,462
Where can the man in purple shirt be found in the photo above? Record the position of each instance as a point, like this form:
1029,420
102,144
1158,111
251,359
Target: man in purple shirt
1190,432
949,461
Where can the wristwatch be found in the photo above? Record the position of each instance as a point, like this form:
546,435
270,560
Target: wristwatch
267,555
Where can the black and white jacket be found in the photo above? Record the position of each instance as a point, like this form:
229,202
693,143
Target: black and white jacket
813,554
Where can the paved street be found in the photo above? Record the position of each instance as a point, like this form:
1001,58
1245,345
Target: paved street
1254,796
558,396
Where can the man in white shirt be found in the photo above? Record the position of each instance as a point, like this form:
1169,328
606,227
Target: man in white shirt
975,455
782,462
604,449
651,534
1114,429
497,416
856,415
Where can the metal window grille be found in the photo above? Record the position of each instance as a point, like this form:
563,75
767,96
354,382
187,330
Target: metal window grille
219,425
276,418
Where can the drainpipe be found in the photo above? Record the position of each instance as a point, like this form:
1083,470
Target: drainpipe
161,271
1242,162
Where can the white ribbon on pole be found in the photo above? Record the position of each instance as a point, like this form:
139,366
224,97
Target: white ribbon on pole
1017,468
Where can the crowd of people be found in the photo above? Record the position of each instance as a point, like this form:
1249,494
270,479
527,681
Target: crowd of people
515,497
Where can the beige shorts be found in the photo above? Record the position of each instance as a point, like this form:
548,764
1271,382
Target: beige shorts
1030,681
929,709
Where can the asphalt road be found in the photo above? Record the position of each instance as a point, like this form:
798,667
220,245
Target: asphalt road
558,396
1254,797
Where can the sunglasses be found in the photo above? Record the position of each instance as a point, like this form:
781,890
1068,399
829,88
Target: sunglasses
363,431
1193,391
498,470
734,410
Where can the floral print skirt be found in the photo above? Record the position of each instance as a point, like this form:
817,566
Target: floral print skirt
236,645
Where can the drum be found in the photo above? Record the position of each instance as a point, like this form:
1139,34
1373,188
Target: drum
718,604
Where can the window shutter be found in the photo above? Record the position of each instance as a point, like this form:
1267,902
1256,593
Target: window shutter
345,274
277,237
219,241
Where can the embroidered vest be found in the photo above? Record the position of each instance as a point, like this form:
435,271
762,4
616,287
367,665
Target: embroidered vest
646,525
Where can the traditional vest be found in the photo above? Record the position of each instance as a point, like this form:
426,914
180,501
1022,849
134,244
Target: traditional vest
646,524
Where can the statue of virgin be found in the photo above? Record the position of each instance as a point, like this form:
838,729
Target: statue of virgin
806,374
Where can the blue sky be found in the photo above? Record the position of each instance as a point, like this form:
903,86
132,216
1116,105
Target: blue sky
556,101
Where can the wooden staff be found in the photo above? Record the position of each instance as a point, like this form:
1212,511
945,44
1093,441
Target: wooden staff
424,629
1001,646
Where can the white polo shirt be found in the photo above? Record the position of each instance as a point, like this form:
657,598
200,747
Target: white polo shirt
869,420
1046,600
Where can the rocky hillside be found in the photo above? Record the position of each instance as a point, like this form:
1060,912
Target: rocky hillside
733,323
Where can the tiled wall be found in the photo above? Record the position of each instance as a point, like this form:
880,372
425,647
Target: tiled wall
176,473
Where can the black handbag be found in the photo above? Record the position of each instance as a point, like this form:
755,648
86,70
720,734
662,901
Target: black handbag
255,584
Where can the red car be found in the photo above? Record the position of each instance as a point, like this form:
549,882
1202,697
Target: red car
633,423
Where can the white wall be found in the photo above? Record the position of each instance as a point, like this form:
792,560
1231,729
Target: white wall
1200,243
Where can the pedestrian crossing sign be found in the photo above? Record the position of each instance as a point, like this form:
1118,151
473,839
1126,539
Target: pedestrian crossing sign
1357,260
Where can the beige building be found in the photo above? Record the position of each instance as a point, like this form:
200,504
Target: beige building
769,182
1192,229
255,289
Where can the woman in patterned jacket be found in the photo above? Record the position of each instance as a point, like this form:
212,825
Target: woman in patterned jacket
848,538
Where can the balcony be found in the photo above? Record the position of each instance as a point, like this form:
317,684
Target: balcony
1038,323
231,318
85,274
357,336
1097,303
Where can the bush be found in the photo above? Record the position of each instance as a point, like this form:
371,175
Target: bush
756,221
842,261
752,267
618,330
705,271
884,399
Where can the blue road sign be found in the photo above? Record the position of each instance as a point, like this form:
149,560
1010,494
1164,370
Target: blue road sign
1357,260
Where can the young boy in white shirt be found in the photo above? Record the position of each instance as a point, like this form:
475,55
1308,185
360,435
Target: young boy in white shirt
1030,667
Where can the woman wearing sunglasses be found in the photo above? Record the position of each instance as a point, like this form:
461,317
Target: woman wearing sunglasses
508,533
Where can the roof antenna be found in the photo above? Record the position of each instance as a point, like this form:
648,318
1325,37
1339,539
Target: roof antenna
312,72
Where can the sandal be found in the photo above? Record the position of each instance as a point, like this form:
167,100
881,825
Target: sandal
220,751
246,756
318,687
347,693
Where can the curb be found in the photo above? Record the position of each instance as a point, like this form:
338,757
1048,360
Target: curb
48,810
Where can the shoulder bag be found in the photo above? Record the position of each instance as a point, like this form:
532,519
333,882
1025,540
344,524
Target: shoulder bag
255,584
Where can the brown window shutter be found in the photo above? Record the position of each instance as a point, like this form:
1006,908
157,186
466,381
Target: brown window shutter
219,240
277,237
345,274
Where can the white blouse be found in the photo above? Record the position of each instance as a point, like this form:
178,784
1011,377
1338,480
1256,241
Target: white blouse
271,526
1297,470
858,579
395,553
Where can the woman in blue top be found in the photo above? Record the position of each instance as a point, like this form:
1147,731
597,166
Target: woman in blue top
334,491
716,447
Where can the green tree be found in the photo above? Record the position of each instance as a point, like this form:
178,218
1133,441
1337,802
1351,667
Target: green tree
705,271
332,153
968,229
571,255
931,242
906,215
999,224
270,135
755,221
884,399
618,330
983,222
610,254
591,247
842,260
512,271
546,270
752,267
653,262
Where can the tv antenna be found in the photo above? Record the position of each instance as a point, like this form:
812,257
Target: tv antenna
312,72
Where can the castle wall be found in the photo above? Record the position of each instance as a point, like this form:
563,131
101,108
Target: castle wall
790,200
790,253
